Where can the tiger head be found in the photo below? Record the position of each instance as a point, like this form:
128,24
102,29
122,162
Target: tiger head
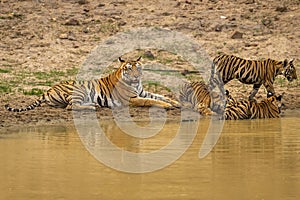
289,70
229,99
276,100
131,71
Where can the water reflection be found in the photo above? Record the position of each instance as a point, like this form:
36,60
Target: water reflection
253,159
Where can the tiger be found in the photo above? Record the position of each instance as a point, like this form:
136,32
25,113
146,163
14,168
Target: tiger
228,67
203,100
122,87
249,109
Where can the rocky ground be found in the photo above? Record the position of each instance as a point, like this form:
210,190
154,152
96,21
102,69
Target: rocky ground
43,42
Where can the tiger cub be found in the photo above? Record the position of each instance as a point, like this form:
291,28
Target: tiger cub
122,87
246,109
228,67
202,100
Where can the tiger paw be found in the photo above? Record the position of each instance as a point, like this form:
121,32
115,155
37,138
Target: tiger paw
174,103
203,109
81,107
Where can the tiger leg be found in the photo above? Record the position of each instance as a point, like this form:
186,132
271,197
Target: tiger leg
173,102
75,103
79,107
254,91
158,97
216,80
203,109
147,102
213,81
270,89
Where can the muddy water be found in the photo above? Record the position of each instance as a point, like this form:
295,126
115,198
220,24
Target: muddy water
257,159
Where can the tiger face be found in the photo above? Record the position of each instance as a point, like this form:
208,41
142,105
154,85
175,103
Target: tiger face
131,71
276,100
229,99
290,71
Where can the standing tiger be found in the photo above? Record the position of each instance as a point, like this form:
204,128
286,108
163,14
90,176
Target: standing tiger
246,109
202,100
228,67
122,87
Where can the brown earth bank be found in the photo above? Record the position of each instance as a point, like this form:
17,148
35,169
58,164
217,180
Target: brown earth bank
44,42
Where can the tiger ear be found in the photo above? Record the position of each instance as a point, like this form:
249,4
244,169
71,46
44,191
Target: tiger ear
139,58
270,94
121,60
226,92
278,98
285,63
291,61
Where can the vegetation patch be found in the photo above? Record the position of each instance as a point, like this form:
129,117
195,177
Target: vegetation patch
4,70
33,91
33,80
4,88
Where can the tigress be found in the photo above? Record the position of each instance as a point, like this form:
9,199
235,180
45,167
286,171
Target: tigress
246,109
122,87
229,67
202,99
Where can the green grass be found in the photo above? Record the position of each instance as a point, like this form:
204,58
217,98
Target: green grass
72,72
5,88
33,80
152,83
280,81
169,73
155,86
33,91
108,28
49,75
166,60
4,71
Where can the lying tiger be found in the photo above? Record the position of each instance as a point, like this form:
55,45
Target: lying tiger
122,87
246,109
202,100
208,103
228,67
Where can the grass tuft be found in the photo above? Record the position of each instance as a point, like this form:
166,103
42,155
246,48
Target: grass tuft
33,91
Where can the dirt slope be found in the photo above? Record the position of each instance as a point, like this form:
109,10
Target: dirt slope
43,42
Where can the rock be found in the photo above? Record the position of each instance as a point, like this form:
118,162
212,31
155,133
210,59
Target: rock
81,2
71,37
249,1
63,36
149,54
184,72
266,21
72,22
86,30
251,45
166,14
122,23
101,5
67,36
75,46
218,28
237,35
281,9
